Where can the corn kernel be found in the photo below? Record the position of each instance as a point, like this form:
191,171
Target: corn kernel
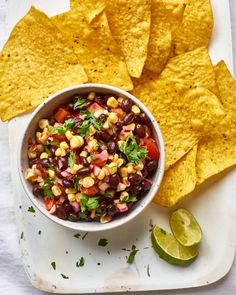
120,99
51,173
130,169
60,152
44,156
42,136
123,172
84,154
93,145
136,110
76,141
112,102
106,125
70,191
112,167
92,130
69,135
78,197
29,175
56,190
121,187
64,145
43,123
139,167
112,118
115,158
120,162
101,175
32,154
91,95
75,168
124,196
88,182
71,197
130,126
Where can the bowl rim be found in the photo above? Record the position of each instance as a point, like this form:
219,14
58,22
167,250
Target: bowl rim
157,178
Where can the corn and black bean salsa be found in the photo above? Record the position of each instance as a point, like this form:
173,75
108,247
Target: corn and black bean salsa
93,159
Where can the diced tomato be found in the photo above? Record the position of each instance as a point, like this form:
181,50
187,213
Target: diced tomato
43,171
91,191
95,107
99,160
120,113
61,114
57,137
153,151
49,203
78,160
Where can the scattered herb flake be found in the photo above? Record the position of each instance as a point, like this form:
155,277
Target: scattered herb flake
72,159
132,254
148,271
39,232
64,276
63,128
80,103
77,235
67,252
31,209
132,150
163,231
81,262
108,252
102,242
99,263
22,235
53,264
84,236
76,183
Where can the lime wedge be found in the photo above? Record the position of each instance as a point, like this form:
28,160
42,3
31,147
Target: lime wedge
169,249
185,228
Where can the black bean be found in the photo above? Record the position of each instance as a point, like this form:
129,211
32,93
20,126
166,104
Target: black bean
73,217
100,100
61,212
67,183
144,172
57,171
152,166
111,209
103,206
123,157
146,185
104,136
84,171
70,107
114,180
102,147
143,118
140,130
84,161
134,190
129,118
64,163
102,118
44,162
134,178
52,121
76,123
118,126
67,207
53,149
33,161
126,105
112,147
37,191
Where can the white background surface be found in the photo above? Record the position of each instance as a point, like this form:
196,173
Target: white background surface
12,277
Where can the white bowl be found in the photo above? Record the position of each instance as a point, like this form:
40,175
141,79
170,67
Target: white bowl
45,110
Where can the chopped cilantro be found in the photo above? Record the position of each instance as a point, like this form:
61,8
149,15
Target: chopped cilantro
128,199
84,236
81,262
77,235
63,128
46,188
80,103
56,143
53,264
50,166
132,254
88,203
39,232
76,183
71,159
64,277
31,209
132,150
102,242
47,150
89,120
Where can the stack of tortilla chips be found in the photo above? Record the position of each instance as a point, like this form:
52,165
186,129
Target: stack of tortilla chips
157,49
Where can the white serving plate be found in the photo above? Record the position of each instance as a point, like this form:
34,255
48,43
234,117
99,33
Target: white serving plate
213,204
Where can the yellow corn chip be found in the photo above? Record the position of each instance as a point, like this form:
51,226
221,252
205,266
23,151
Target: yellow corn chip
178,180
218,151
96,48
129,22
185,115
196,28
35,63
193,68
90,8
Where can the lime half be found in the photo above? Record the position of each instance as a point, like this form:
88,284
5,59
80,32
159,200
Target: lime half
185,228
169,249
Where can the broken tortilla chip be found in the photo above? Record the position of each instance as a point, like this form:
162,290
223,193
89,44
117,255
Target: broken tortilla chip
178,181
129,22
218,151
196,27
96,48
35,62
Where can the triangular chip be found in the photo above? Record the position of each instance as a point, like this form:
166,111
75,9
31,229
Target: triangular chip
184,115
96,48
35,62
90,8
193,68
196,28
218,151
178,180
129,22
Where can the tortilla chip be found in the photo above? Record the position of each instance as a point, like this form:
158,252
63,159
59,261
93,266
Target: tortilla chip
178,180
196,28
90,8
96,48
218,151
129,22
193,68
35,63
184,115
